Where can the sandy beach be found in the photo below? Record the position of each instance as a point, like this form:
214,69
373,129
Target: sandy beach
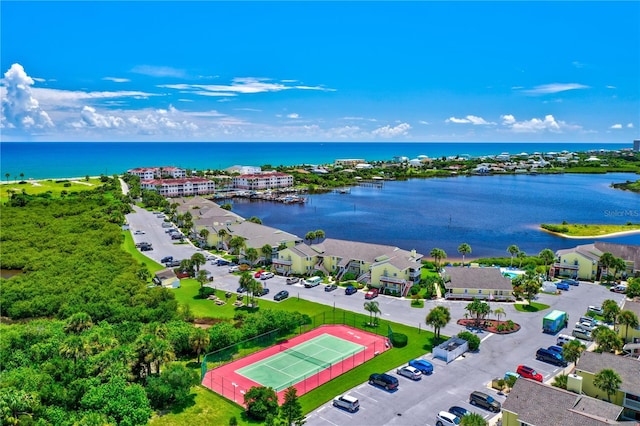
591,237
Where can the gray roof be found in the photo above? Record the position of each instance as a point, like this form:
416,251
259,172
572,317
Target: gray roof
630,305
539,404
628,252
627,368
165,274
367,252
257,235
476,278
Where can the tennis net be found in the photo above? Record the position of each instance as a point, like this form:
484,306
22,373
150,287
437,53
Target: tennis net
305,357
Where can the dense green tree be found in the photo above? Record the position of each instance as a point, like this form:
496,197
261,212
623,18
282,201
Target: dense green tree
17,406
464,249
513,250
628,319
547,256
236,244
251,254
318,234
606,261
472,339
267,252
199,340
572,350
122,403
633,287
261,401
173,386
78,322
310,236
607,339
479,309
560,381
473,419
437,318
531,285
202,277
521,256
291,409
608,381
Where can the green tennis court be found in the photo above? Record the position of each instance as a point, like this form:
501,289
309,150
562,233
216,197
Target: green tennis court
298,362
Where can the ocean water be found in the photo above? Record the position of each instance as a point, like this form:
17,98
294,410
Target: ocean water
41,160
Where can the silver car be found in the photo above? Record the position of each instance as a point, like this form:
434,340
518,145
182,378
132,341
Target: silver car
409,372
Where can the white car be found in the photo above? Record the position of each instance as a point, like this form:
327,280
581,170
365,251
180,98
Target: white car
234,269
347,402
139,232
266,275
410,372
444,418
596,309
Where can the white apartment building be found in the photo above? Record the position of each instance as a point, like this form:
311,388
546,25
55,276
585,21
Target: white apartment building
180,187
261,181
147,173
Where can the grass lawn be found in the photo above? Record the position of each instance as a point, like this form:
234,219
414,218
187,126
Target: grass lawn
130,246
534,307
210,408
33,187
586,230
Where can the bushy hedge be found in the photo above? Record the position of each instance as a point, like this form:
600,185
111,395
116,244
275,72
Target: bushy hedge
472,339
399,340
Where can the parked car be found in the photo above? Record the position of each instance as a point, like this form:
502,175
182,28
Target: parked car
177,236
562,285
139,232
554,348
292,280
221,262
266,275
585,326
571,281
445,418
529,373
551,357
596,309
424,366
234,269
348,402
409,372
383,380
371,294
581,334
146,247
241,289
459,411
485,401
509,374
281,295
330,287
620,288
350,290
262,292
166,259
563,338
174,264
257,274
312,282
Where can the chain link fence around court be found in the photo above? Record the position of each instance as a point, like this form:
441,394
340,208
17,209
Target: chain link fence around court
234,391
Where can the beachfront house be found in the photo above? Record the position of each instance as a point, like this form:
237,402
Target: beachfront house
628,368
390,269
477,283
534,403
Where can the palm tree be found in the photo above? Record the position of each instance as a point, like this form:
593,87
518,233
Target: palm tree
572,350
204,234
499,312
202,277
610,311
198,259
464,249
606,261
373,308
628,319
618,265
607,339
478,308
267,252
560,381
531,285
253,288
199,340
513,250
438,317
222,234
521,256
473,419
547,257
251,254
236,244
21,176
7,175
78,322
318,234
607,381
438,254
311,235
186,265
74,347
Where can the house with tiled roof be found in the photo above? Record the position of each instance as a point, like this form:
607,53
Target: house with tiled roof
146,173
536,404
180,187
388,268
477,283
262,181
628,368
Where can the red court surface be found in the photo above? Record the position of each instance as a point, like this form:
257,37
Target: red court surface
225,381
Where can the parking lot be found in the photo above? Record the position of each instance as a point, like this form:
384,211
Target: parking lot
414,403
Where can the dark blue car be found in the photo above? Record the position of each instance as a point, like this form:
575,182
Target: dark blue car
562,285
350,290
458,411
425,367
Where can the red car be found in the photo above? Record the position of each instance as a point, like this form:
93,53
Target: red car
529,373
257,274
373,293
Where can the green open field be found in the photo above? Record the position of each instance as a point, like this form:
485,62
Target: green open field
55,186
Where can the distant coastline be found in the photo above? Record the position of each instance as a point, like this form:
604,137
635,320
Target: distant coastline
592,237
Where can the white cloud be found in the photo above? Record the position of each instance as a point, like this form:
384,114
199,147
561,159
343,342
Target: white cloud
537,125
293,115
20,109
89,117
629,125
424,122
401,129
616,126
55,98
554,88
117,79
578,64
155,71
469,119
245,85
611,87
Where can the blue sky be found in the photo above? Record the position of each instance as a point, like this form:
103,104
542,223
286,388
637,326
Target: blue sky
320,71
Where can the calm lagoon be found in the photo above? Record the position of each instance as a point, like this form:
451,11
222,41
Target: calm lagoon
488,212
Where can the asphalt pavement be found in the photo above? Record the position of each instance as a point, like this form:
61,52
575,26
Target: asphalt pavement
414,403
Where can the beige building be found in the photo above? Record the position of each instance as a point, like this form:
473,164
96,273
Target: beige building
583,261
477,283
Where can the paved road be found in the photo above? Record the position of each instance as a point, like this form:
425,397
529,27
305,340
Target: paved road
414,403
